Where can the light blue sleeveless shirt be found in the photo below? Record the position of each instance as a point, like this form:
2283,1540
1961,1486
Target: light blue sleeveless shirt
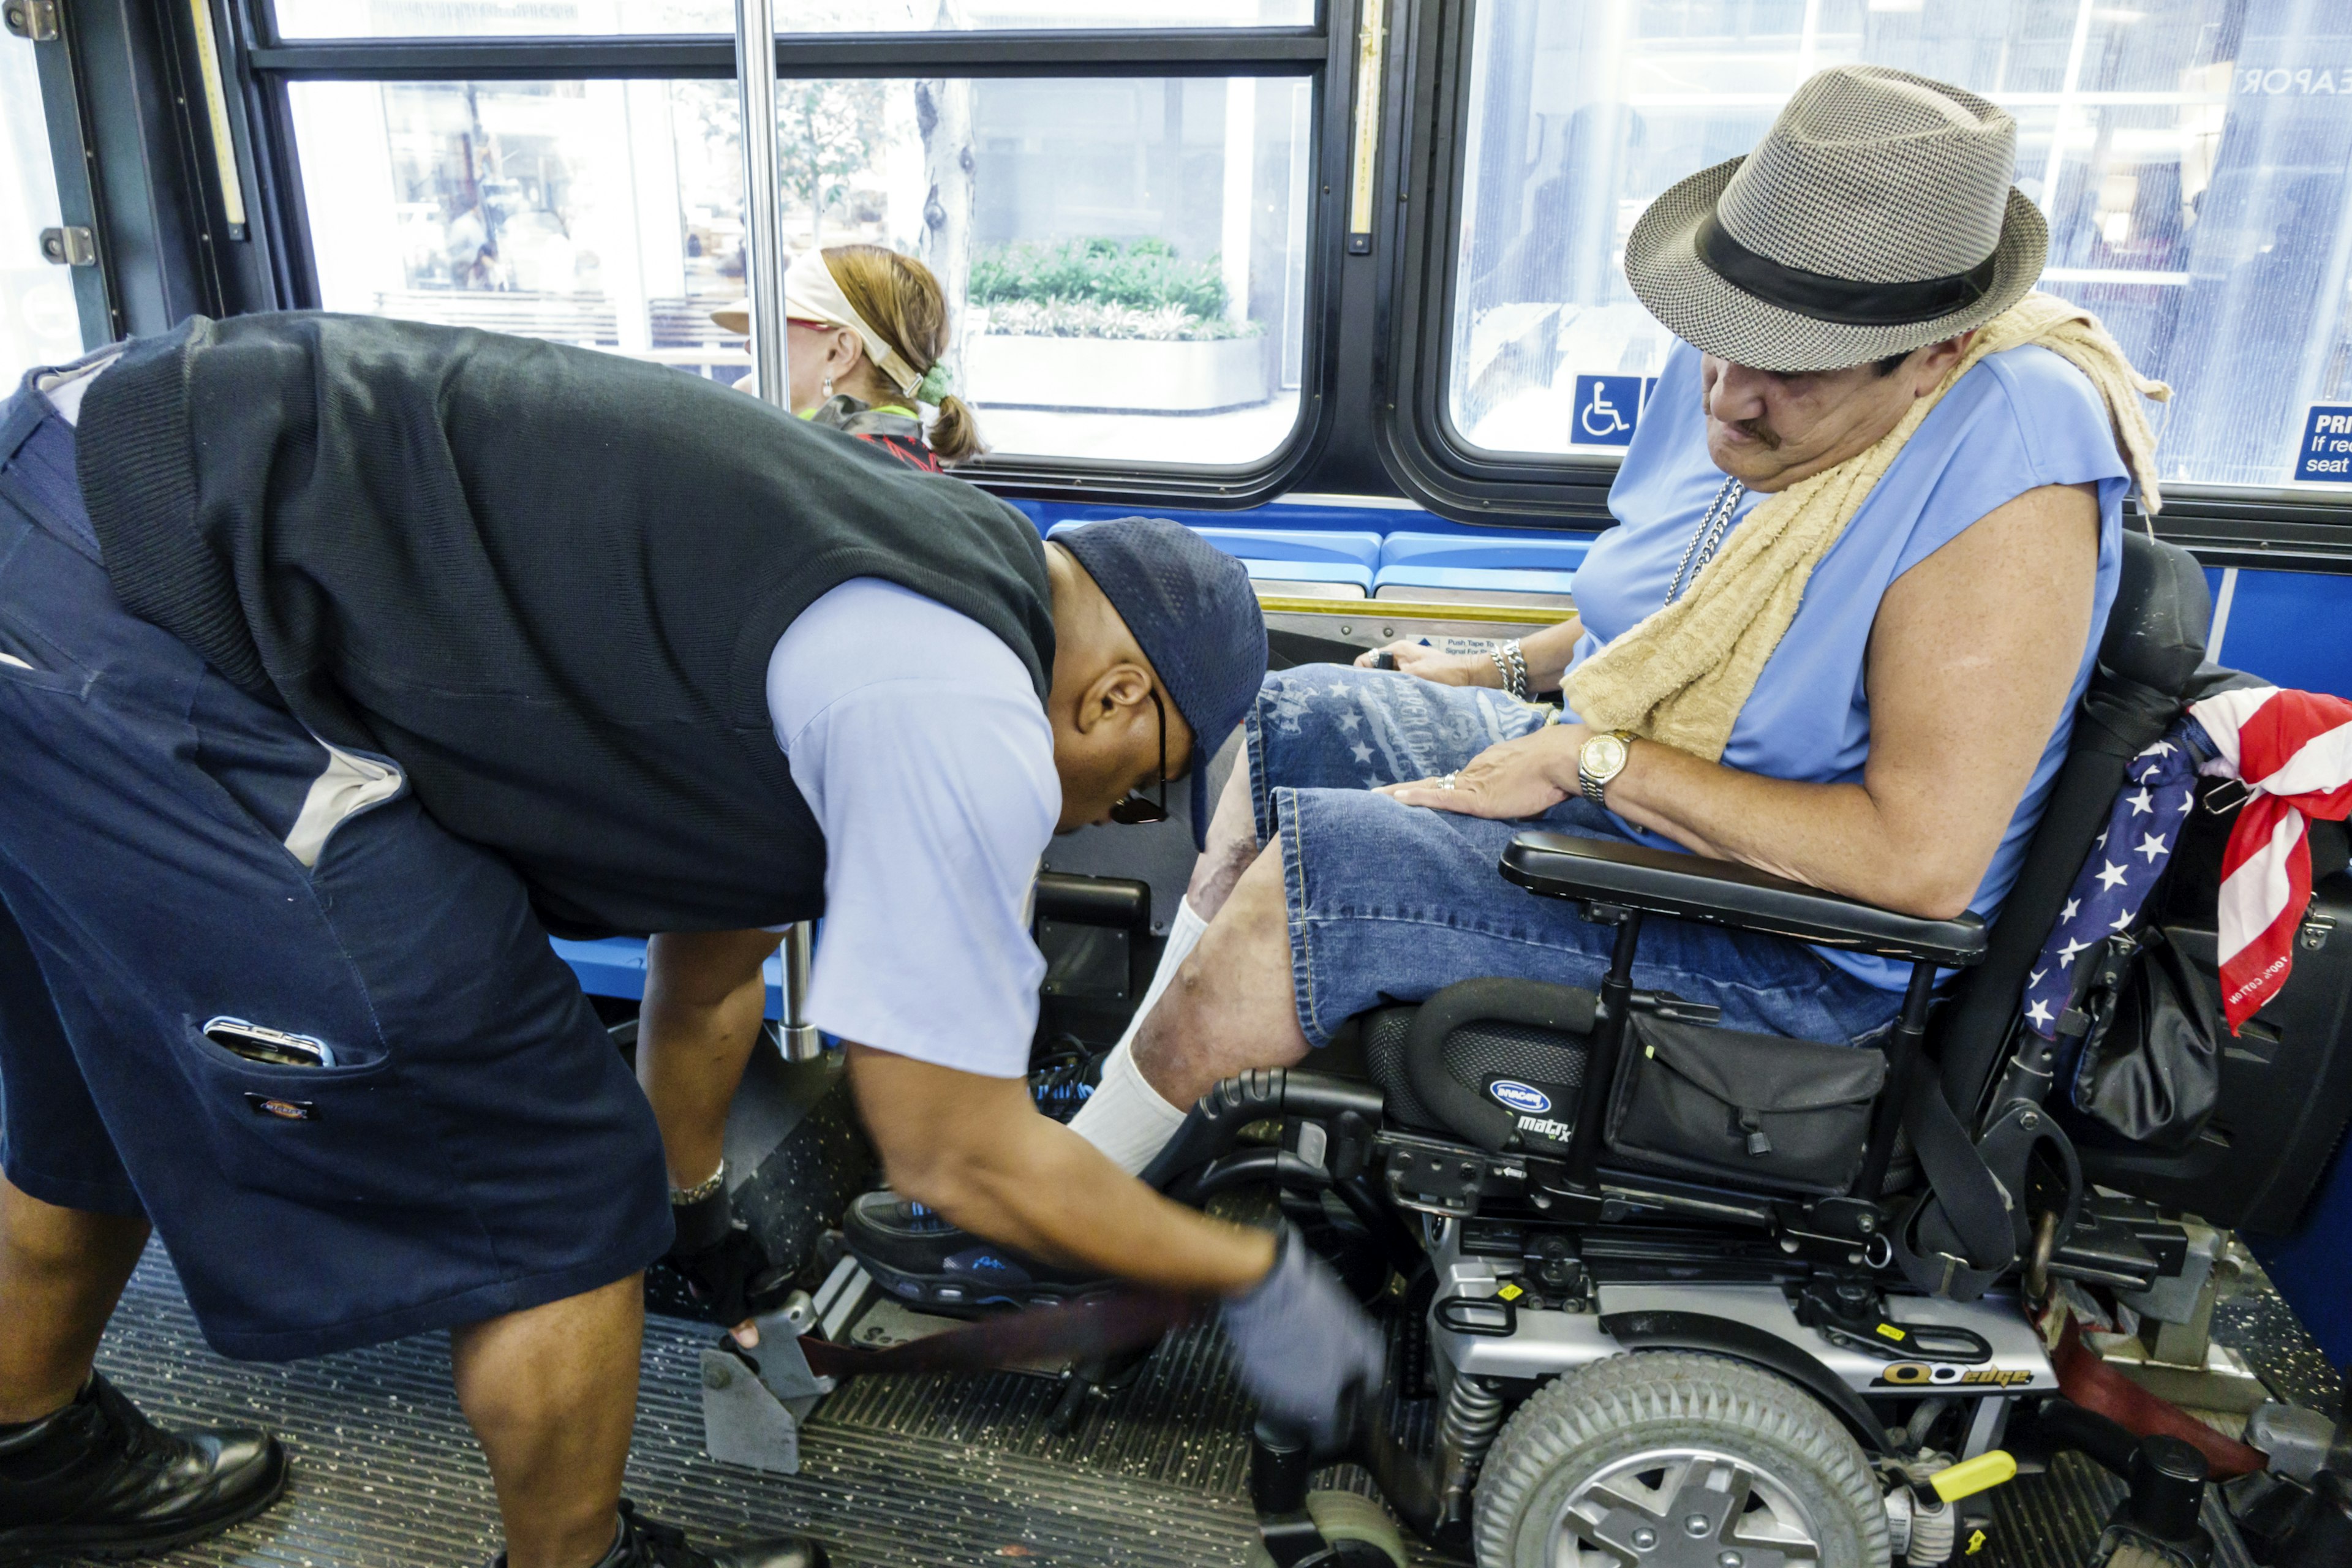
2020,420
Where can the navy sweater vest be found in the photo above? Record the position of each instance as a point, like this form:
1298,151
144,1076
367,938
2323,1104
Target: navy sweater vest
545,580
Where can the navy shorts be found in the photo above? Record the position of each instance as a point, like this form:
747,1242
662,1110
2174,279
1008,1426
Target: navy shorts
1390,903
174,852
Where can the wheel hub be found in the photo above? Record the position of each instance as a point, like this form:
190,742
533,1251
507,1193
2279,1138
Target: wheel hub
1684,1508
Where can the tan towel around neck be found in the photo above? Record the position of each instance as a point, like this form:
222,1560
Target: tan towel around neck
1680,675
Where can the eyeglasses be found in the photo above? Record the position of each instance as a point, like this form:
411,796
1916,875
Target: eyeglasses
811,322
1135,811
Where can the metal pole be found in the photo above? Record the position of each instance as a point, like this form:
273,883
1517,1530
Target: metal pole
798,1038
755,81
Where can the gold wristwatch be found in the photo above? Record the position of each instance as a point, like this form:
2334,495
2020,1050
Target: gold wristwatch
1600,760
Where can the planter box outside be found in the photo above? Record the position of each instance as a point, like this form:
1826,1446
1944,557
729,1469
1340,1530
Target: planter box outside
1129,374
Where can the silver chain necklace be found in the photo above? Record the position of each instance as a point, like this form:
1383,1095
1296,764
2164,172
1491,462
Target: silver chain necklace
1707,538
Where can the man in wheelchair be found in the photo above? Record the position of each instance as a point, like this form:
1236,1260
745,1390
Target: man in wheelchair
1897,667
1895,742
1821,686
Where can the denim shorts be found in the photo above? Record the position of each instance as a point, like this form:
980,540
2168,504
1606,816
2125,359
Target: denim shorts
1391,902
175,853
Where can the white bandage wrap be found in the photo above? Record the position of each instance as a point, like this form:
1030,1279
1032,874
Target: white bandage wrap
812,292
1125,1116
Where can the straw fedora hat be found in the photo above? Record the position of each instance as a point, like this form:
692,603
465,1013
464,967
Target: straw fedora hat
1877,216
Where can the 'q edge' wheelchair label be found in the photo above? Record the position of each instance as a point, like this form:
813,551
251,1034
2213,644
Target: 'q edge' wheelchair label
1945,1374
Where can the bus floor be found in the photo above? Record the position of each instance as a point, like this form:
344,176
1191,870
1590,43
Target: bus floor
940,1472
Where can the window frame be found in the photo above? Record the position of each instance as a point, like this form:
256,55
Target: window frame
1323,55
1436,465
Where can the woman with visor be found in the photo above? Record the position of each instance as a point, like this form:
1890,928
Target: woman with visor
865,329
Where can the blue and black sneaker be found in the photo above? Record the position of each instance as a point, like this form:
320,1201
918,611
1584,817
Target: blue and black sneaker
1062,1082
916,1256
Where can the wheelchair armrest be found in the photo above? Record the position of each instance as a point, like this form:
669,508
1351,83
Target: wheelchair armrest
1722,892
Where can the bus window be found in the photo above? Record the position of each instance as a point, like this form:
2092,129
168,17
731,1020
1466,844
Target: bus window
484,18
38,321
1125,259
2189,156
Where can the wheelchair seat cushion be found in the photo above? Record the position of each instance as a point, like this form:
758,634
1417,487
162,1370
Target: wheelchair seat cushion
1484,1054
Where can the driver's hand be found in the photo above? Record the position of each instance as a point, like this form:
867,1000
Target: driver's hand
1429,664
1311,1356
1516,779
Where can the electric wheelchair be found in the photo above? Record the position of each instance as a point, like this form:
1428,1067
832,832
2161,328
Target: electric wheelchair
1682,1298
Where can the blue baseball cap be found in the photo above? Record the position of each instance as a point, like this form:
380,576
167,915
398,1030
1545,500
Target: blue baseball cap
1194,614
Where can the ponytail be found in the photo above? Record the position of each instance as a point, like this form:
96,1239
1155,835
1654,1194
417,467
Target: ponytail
899,299
955,434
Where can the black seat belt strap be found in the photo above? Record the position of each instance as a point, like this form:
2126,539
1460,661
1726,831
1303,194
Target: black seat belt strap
1961,1233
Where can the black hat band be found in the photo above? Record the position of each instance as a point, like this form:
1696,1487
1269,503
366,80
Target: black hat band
1841,300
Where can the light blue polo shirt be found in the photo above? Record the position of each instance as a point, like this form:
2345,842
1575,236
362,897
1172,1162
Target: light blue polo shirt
2018,421
917,738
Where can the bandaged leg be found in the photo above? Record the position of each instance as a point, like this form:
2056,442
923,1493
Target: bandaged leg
1125,1116
1229,1009
1231,844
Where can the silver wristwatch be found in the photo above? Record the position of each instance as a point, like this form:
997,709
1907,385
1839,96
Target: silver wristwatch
1600,760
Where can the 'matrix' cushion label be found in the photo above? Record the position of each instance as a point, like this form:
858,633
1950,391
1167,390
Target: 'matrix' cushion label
1545,1111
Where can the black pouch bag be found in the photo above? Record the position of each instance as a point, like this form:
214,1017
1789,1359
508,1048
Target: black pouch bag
1755,1107
2151,1070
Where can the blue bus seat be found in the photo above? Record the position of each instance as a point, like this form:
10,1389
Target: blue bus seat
616,967
1451,567
1327,559
1309,579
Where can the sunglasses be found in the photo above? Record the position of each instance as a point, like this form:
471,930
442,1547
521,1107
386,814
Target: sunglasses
1135,811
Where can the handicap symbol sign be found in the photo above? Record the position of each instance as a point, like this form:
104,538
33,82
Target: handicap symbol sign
2326,455
1607,409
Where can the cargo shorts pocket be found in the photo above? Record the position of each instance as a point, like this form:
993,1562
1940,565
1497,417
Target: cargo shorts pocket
354,1133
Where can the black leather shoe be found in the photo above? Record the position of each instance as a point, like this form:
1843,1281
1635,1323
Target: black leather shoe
919,1258
641,1542
100,1480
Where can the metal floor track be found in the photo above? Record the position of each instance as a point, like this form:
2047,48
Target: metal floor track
897,1473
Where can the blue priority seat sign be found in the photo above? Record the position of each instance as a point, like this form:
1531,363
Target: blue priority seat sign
2326,455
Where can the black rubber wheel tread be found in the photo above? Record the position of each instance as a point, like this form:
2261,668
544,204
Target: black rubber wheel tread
1611,1408
1346,1516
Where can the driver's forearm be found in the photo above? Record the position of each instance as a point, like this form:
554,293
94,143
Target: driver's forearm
1044,1190
1548,651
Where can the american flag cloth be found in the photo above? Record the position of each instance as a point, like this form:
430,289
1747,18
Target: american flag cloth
2292,752
2123,868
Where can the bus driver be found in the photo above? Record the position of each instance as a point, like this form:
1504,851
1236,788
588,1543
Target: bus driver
337,656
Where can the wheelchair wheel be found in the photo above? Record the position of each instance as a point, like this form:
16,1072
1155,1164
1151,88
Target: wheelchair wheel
2135,1554
1360,1527
1677,1460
